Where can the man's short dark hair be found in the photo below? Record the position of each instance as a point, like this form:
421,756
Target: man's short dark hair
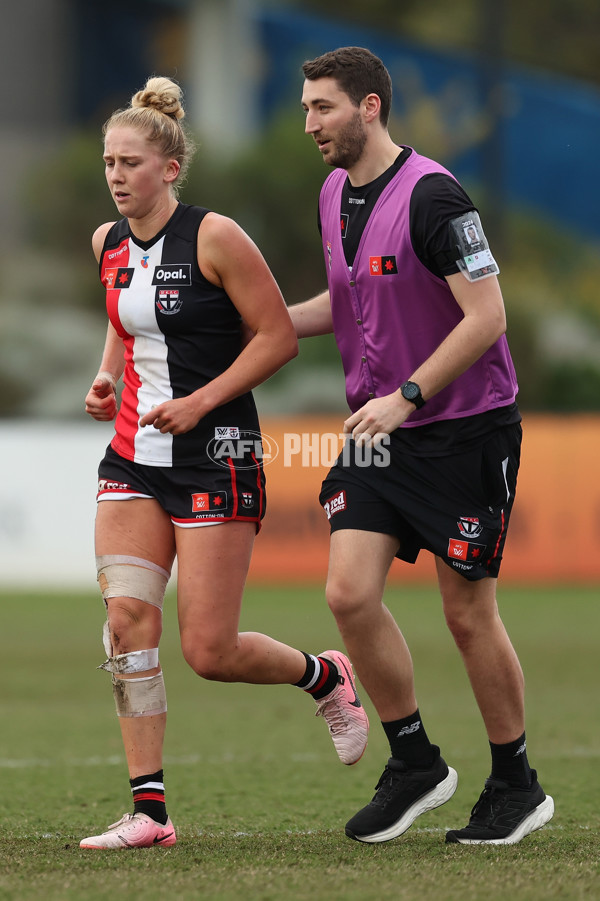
358,72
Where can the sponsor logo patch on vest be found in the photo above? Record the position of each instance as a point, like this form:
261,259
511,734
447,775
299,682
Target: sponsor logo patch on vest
172,274
383,266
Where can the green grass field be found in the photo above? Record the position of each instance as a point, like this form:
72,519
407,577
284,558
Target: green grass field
253,783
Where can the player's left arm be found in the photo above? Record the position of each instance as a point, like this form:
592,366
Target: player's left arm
483,322
230,259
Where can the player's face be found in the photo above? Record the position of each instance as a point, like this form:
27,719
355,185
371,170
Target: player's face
335,123
138,177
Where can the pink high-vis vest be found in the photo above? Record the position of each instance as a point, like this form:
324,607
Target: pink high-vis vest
390,312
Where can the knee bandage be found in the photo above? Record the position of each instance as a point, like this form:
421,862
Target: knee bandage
131,577
145,696
142,696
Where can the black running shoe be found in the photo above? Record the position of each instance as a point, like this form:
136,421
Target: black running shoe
401,795
504,815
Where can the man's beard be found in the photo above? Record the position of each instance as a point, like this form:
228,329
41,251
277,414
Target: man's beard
349,144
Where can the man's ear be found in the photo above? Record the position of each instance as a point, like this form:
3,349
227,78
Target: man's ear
372,107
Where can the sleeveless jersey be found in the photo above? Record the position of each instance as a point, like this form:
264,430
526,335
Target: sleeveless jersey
179,332
390,312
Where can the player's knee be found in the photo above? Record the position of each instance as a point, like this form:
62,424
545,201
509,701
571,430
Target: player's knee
345,600
129,626
462,627
209,661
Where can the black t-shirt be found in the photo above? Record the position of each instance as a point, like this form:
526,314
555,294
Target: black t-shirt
436,200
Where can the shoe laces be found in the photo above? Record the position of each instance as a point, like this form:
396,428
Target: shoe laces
333,712
389,780
124,819
490,801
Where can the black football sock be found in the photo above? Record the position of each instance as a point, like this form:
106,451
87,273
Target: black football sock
510,764
149,796
321,677
409,742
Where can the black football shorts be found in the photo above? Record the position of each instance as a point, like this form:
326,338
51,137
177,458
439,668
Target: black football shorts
192,495
456,506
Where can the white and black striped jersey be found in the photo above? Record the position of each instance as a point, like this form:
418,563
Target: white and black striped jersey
179,332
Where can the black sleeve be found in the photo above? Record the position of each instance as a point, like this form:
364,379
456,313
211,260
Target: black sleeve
436,200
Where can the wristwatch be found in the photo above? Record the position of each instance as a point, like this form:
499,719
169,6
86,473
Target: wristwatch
411,391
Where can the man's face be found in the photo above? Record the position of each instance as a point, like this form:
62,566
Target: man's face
335,123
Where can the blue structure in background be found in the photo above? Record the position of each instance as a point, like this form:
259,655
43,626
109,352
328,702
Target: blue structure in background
548,133
549,130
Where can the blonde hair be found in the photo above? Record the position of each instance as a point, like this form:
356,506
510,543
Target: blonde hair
157,111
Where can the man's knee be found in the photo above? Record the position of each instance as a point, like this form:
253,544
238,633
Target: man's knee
346,599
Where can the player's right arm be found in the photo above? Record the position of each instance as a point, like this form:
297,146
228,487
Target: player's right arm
312,317
101,399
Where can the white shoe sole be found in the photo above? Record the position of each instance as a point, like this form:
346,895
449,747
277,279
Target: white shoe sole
438,795
542,814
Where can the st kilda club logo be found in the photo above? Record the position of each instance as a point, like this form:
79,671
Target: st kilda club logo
469,526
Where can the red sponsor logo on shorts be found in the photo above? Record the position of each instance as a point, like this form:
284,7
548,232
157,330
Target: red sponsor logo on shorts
110,485
335,504
465,550
208,500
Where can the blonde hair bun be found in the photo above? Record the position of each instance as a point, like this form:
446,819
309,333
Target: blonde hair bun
160,94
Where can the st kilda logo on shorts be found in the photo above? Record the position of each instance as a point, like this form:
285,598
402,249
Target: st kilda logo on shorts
469,526
465,549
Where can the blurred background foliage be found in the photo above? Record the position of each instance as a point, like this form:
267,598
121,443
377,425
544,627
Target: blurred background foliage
549,276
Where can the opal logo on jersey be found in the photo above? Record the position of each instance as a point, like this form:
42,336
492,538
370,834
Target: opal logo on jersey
179,274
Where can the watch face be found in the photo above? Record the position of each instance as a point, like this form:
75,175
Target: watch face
410,391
